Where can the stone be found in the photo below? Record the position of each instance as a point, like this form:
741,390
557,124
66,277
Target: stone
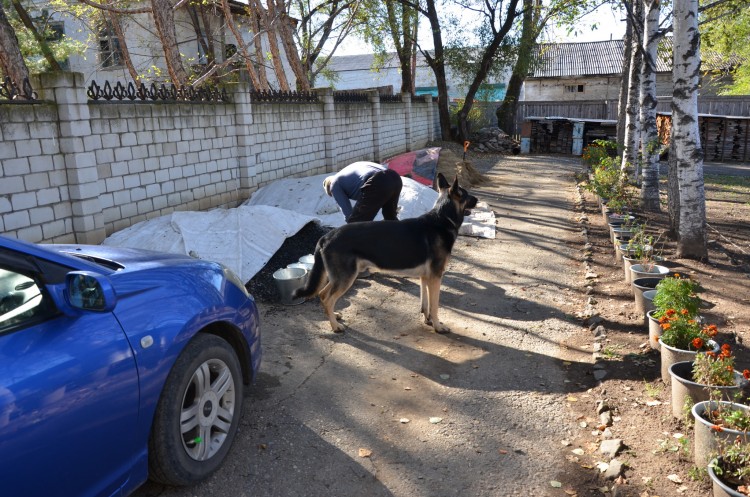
600,374
610,448
614,470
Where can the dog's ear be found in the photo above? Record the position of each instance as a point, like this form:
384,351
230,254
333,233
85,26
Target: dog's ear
454,187
442,183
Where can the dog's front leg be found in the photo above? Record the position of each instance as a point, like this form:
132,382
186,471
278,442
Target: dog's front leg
433,303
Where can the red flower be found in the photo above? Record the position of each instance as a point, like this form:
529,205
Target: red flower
671,312
746,374
665,326
717,428
711,354
697,343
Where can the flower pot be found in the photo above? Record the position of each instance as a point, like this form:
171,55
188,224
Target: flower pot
671,355
627,262
619,219
620,232
706,442
648,301
721,489
683,387
648,271
654,330
639,286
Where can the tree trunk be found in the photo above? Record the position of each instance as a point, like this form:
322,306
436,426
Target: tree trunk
255,11
254,80
272,21
292,56
165,27
114,19
622,102
673,193
506,113
691,242
649,136
43,45
12,64
632,130
437,64
488,58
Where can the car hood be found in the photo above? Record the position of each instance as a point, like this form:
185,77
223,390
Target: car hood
107,259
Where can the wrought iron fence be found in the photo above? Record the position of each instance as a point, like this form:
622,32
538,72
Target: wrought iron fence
10,91
350,97
284,96
391,99
156,92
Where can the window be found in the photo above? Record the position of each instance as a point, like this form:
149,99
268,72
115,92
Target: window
110,54
574,88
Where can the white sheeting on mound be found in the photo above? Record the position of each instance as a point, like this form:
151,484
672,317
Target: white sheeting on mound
245,238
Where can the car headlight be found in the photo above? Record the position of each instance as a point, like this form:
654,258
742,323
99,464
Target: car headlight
233,278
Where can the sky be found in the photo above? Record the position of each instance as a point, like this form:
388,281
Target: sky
609,26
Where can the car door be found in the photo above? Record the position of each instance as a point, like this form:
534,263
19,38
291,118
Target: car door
68,390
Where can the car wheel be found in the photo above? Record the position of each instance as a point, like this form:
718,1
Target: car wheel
198,413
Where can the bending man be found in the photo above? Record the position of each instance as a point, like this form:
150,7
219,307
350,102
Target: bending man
372,186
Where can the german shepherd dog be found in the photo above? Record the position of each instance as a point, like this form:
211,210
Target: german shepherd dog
417,247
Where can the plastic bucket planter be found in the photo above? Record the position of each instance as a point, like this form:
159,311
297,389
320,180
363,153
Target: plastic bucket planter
308,260
683,387
287,281
706,439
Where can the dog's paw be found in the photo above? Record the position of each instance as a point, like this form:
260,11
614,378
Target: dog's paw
338,316
338,329
441,328
427,321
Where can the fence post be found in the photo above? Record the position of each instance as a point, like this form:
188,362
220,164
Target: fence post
247,167
329,127
406,99
374,99
67,91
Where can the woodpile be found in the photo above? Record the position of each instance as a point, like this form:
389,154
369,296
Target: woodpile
723,138
495,140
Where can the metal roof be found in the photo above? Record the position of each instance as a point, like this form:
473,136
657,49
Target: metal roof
603,58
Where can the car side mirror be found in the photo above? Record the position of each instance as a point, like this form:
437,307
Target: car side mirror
90,291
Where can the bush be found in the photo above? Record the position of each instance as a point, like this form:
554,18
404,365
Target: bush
598,150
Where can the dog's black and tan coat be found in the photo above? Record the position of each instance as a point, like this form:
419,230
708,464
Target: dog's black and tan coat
419,247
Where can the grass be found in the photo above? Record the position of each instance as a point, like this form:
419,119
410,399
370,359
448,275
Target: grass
727,188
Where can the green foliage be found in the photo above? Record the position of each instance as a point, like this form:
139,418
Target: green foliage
721,35
714,369
476,118
733,464
676,292
61,47
605,180
598,150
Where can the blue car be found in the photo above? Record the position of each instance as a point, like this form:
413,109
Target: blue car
117,365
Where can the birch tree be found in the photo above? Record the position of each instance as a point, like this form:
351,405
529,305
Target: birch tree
688,161
632,125
649,136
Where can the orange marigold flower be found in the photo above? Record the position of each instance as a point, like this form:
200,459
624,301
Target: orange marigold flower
746,374
711,354
676,275
697,343
671,312
717,428
684,312
730,369
665,326
726,348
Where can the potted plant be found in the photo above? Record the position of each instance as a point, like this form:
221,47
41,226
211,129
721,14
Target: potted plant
718,421
730,471
682,338
709,375
673,292
638,250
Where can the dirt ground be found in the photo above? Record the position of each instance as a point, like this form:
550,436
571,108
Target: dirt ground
505,405
658,447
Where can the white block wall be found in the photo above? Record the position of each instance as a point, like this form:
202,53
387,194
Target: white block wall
75,171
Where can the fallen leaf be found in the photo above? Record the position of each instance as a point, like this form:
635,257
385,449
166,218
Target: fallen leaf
572,399
262,446
653,403
674,478
572,493
407,388
445,376
502,451
365,452
555,484
404,420
578,452
435,420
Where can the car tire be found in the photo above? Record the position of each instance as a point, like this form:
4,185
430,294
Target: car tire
198,413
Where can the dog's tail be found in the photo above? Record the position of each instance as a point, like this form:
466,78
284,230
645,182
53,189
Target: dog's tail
314,279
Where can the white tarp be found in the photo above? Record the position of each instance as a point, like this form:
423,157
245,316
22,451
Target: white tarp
246,237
